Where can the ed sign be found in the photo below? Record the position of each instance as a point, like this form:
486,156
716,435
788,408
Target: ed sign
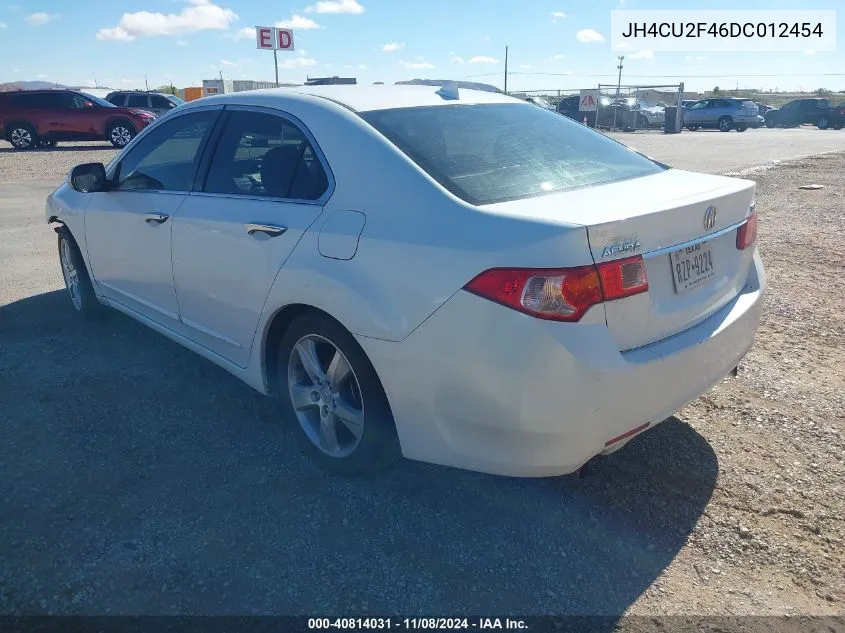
272,39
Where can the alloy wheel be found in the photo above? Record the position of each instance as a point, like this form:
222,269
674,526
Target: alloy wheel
120,135
326,396
71,274
21,138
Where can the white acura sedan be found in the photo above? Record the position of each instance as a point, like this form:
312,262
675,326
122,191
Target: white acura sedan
458,277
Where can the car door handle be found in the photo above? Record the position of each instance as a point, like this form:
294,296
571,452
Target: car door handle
269,229
158,218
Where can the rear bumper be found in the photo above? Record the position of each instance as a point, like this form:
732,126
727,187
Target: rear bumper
482,387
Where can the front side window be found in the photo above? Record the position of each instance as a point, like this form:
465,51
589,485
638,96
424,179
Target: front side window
491,153
262,154
167,158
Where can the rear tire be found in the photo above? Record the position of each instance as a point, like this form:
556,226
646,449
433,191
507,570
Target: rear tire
77,281
322,368
22,136
692,128
725,124
771,124
120,133
823,123
741,128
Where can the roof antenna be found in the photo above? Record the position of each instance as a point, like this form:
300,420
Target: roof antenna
449,90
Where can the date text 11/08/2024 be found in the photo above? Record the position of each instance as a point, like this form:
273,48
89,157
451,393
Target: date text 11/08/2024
430,624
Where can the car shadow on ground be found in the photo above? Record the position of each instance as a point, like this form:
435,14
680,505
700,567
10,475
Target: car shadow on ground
61,148
140,478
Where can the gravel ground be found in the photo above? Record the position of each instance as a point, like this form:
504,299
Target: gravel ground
136,477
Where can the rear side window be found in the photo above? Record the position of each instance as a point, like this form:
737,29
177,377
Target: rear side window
160,102
138,101
261,154
748,104
117,100
37,100
166,159
496,152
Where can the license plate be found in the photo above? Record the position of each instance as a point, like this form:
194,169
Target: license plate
692,266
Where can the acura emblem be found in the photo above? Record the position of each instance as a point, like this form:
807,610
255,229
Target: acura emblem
710,218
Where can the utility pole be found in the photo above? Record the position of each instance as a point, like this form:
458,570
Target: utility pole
276,64
146,83
618,88
506,70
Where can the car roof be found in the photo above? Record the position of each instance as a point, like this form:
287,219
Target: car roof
365,98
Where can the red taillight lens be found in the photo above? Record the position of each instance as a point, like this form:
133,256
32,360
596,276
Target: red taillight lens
623,278
561,294
558,294
746,234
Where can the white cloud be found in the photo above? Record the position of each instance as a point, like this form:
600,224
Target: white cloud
3,25
42,76
297,22
809,52
457,60
246,33
694,58
585,36
41,18
362,67
558,15
296,62
181,43
393,46
201,15
226,62
641,55
558,56
526,66
483,59
335,6
418,65
127,81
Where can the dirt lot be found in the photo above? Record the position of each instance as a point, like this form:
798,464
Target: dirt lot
136,477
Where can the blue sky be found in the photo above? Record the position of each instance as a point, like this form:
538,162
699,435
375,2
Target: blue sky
552,43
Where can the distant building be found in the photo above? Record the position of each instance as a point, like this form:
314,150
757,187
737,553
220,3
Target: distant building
225,86
330,81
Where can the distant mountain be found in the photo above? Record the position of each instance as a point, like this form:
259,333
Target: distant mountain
468,85
29,85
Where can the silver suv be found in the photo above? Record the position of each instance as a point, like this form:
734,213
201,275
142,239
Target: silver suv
722,113
155,102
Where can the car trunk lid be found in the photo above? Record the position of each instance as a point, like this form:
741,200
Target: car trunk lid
683,224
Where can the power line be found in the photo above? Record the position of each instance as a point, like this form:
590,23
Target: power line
663,76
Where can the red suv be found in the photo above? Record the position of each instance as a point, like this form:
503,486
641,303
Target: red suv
40,118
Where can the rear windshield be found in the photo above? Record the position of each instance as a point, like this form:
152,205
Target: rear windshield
496,152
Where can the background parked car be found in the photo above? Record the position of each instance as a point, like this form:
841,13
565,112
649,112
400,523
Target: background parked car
40,118
155,102
815,111
722,113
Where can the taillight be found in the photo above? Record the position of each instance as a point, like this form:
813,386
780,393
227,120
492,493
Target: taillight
561,294
623,277
746,234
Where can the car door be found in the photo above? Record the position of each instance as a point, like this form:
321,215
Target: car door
265,184
128,228
81,118
696,113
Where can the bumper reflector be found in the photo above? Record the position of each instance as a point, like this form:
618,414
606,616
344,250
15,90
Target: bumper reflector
642,427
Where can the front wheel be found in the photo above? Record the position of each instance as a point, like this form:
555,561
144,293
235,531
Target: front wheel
328,385
725,124
823,123
119,134
770,123
77,281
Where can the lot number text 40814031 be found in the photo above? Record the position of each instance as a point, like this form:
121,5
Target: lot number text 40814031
429,624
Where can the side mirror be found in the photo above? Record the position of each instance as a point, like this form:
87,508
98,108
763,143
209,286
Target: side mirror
89,178
88,104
